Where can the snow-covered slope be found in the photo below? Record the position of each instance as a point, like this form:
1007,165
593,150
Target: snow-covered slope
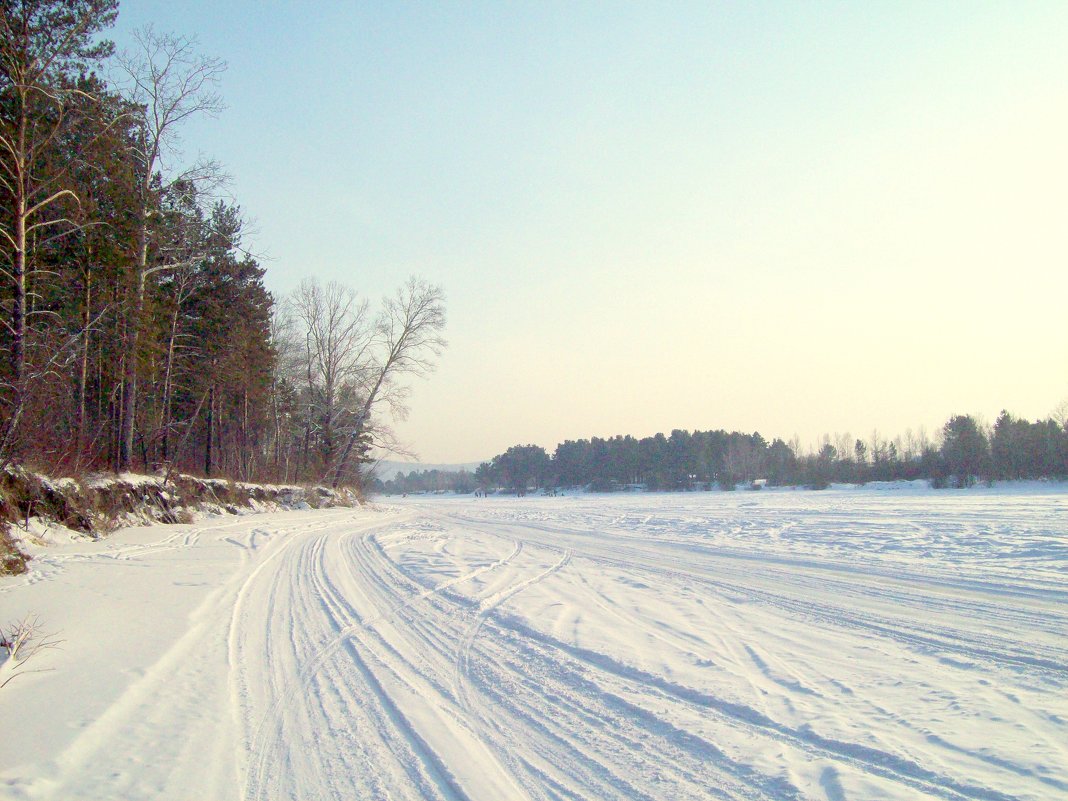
835,645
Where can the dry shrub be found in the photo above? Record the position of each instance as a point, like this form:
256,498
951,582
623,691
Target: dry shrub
12,560
20,642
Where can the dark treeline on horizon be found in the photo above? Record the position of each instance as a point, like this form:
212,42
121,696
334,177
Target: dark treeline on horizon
135,328
964,453
460,481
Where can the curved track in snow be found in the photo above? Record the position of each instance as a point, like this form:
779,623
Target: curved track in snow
775,646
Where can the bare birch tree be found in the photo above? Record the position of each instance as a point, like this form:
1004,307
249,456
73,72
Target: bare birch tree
1060,414
285,377
183,284
351,365
336,330
407,342
168,82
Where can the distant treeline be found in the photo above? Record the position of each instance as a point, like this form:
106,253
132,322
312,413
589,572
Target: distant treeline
425,481
963,452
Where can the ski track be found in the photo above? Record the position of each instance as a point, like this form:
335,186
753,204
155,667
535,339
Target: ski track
634,647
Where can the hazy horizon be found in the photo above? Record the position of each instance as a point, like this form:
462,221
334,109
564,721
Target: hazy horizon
797,220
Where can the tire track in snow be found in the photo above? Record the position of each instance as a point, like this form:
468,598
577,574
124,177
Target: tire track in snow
865,759
834,616
462,658
487,605
575,725
348,637
733,780
170,690
588,770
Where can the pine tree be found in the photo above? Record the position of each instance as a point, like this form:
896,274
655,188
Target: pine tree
965,449
44,46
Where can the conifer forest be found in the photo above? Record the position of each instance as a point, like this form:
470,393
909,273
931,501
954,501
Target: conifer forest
135,328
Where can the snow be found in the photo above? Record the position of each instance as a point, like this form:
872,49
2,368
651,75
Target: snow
132,479
887,642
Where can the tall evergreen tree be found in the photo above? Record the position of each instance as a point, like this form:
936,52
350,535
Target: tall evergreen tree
965,449
44,46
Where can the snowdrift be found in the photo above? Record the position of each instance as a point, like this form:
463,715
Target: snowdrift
34,508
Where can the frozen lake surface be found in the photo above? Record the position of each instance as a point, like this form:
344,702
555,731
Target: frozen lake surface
848,644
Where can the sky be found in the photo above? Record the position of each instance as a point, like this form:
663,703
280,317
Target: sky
793,218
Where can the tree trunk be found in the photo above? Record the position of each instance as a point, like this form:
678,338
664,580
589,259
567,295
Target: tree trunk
18,333
165,413
134,310
211,426
9,432
359,425
83,371
245,451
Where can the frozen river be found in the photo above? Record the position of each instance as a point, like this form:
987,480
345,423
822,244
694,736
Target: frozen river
896,644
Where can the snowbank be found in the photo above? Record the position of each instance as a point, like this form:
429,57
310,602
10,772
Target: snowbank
36,510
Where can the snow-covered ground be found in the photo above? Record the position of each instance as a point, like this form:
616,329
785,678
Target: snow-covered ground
886,643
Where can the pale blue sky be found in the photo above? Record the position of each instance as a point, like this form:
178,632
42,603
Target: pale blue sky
792,217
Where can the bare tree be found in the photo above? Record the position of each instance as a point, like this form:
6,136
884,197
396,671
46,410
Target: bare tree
877,447
1060,414
407,341
286,375
349,365
183,284
337,334
843,444
911,450
168,82
22,641
924,441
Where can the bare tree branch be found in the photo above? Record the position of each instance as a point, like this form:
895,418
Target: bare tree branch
22,641
168,81
408,340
